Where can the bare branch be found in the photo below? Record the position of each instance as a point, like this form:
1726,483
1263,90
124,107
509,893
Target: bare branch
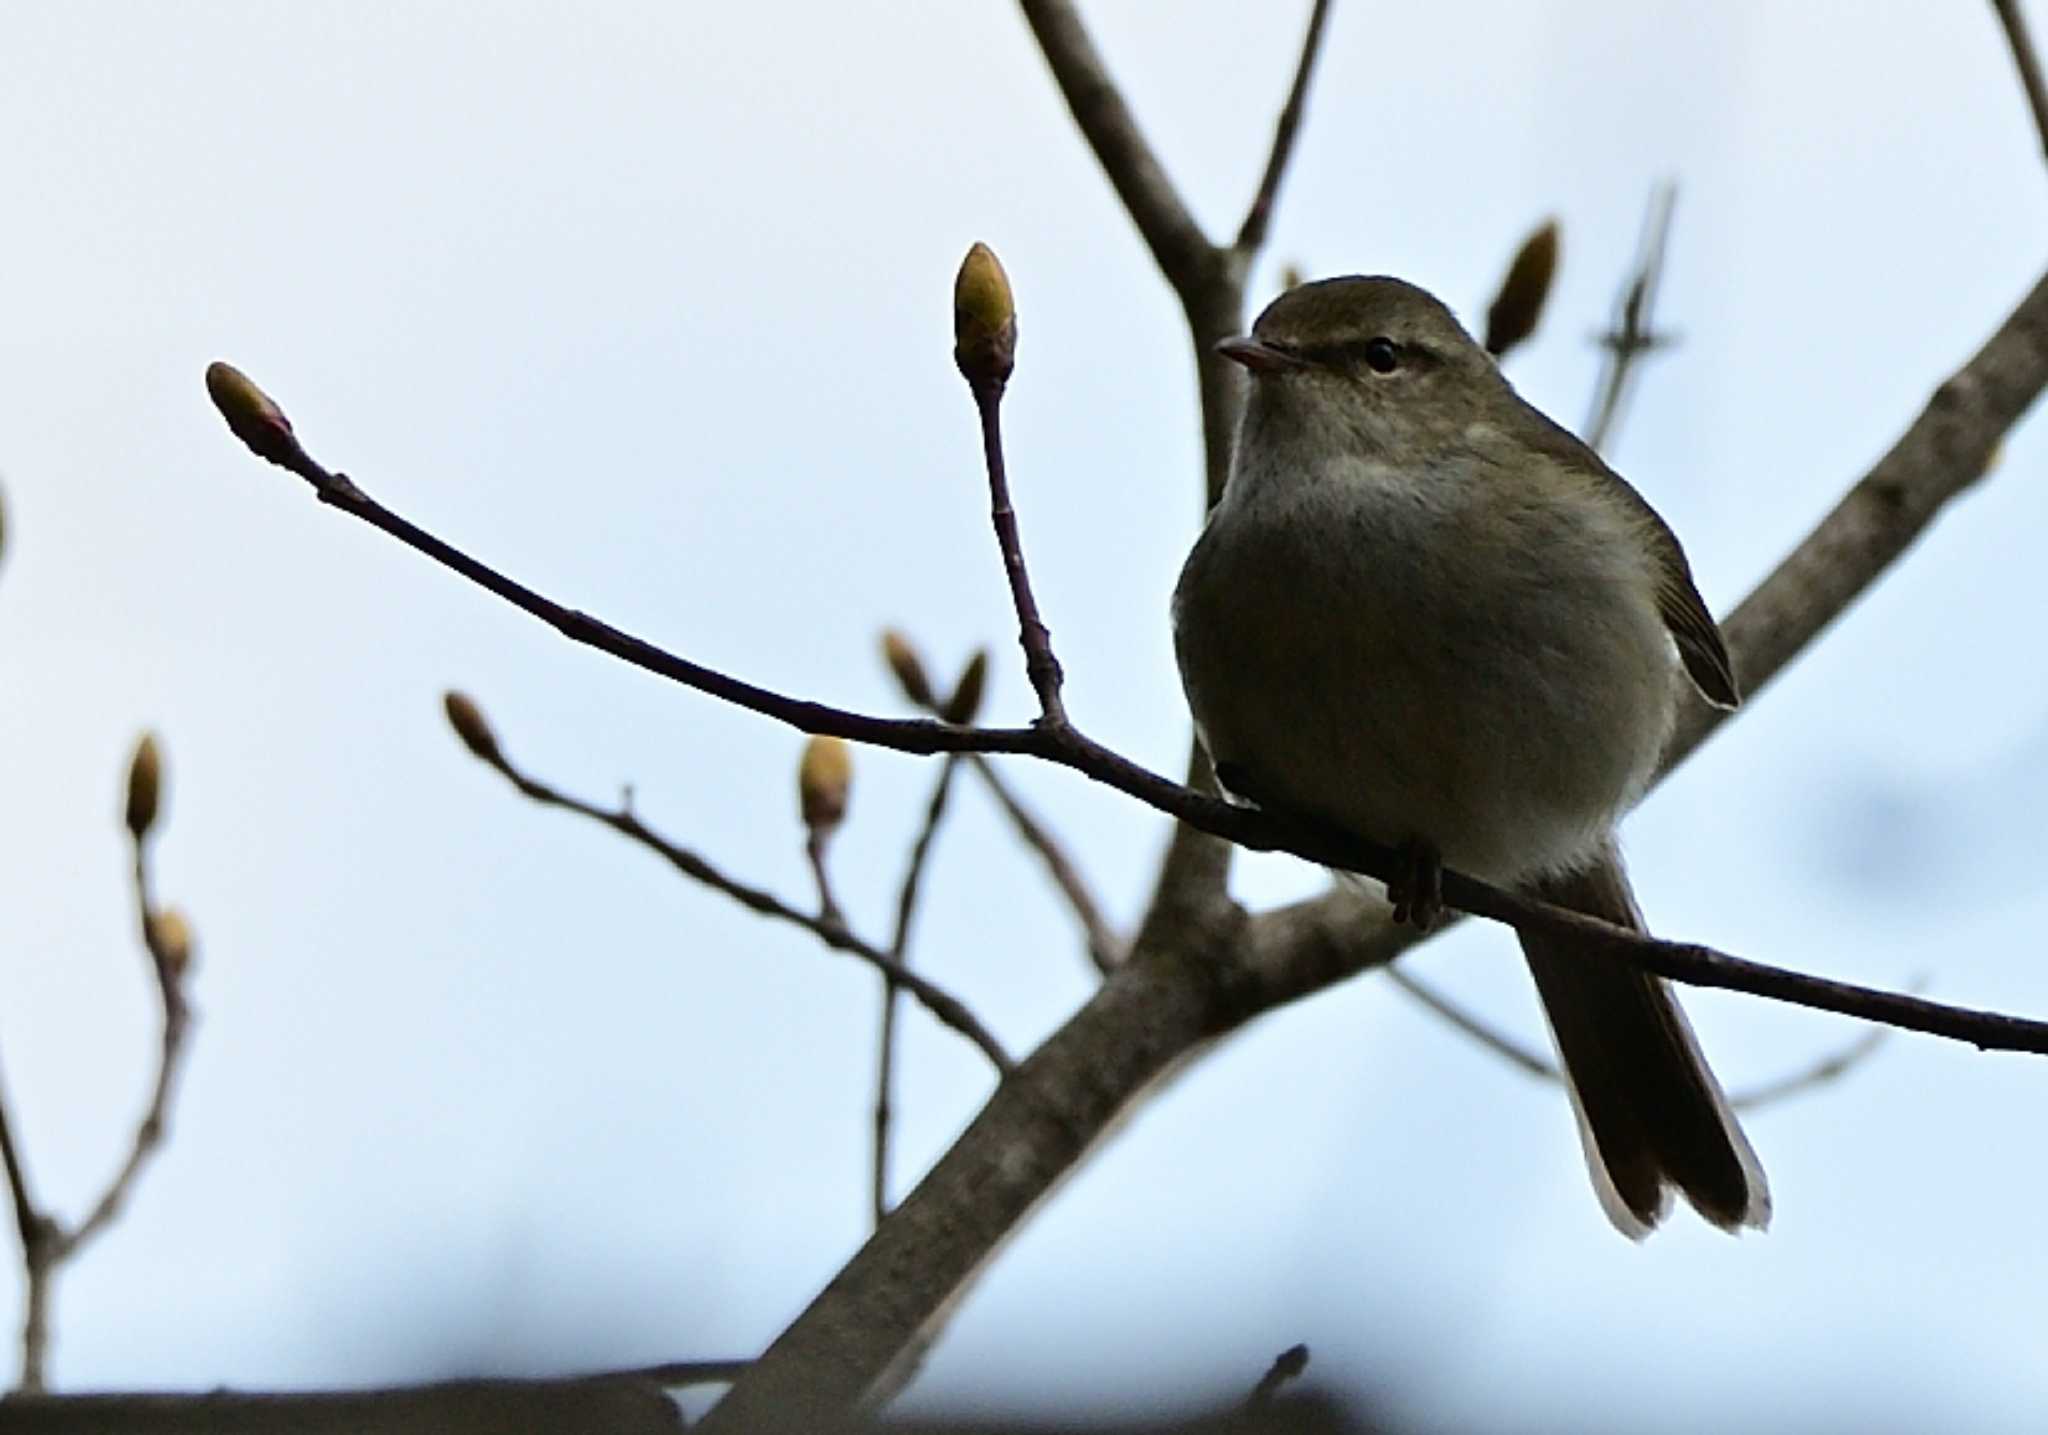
1819,1073
1184,254
833,933
899,948
1251,235
1632,333
45,1243
1532,1062
1105,947
1527,1059
2028,63
1036,639
1998,399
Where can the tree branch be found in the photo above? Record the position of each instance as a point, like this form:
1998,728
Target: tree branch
1184,254
1534,1063
2028,63
1251,235
46,1245
1105,947
899,948
1056,740
1632,334
832,932
1199,966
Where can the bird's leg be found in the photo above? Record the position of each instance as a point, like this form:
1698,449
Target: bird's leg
1417,890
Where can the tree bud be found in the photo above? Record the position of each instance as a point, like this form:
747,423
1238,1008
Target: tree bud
823,779
468,721
965,703
908,667
1522,293
253,416
145,785
170,937
984,319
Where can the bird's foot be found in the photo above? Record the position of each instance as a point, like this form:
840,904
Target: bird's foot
1417,889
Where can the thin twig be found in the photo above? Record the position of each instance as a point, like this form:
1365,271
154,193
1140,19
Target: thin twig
1251,235
1527,1059
816,841
1105,946
899,948
1287,1365
1632,333
2022,45
1056,740
832,932
1492,1038
1818,1073
46,1245
1036,639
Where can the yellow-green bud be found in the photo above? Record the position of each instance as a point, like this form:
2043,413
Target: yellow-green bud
253,416
966,700
468,721
145,785
984,319
1522,293
823,779
908,667
170,937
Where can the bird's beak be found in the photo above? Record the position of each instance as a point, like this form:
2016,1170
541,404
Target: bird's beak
1259,357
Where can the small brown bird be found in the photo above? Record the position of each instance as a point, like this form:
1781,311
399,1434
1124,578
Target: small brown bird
1424,612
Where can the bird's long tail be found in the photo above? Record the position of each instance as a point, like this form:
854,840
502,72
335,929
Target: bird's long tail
1651,1115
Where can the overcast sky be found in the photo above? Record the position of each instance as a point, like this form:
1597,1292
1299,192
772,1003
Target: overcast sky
648,305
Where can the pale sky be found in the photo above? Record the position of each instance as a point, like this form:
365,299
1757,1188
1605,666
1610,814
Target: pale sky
648,306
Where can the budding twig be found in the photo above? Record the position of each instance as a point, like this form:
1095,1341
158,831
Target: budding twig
1969,422
940,1003
985,348
46,1243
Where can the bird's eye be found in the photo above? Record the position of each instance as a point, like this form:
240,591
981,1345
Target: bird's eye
1382,356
